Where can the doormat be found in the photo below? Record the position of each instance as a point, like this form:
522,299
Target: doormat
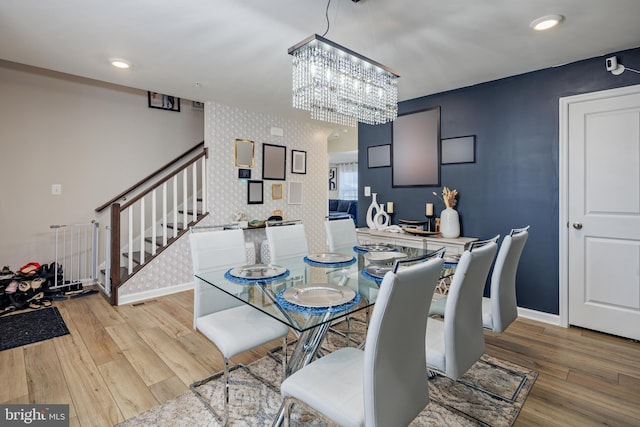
29,327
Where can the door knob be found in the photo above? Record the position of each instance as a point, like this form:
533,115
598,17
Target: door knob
577,225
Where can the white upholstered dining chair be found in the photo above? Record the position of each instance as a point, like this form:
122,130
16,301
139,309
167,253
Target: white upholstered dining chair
286,239
500,309
387,383
341,234
457,342
233,326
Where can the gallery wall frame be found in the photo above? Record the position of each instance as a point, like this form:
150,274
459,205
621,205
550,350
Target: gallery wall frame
255,192
243,153
461,149
276,191
274,161
415,149
298,161
379,156
295,193
163,102
244,173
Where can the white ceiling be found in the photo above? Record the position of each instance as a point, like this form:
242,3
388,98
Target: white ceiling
237,50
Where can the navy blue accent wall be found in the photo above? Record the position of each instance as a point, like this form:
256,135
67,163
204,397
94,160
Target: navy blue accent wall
514,181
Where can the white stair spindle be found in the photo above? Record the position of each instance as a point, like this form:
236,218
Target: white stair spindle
130,249
185,205
142,230
154,231
164,214
175,206
203,186
194,191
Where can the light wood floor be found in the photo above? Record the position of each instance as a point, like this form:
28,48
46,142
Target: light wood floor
120,361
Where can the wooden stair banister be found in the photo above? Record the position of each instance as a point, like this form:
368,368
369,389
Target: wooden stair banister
150,177
119,275
165,179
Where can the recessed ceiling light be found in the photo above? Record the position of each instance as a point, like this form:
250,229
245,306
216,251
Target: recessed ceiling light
120,63
546,22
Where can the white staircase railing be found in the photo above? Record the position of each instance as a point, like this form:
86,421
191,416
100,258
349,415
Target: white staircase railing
139,229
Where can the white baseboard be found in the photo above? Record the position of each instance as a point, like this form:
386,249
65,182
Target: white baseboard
540,316
154,293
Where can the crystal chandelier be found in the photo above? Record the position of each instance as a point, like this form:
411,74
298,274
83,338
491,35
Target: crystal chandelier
340,86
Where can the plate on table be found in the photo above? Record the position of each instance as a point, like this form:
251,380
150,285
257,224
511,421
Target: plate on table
329,258
319,295
376,247
378,271
383,257
257,271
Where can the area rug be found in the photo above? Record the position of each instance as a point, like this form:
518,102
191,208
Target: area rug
490,394
31,326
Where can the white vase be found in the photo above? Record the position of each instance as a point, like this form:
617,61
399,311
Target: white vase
373,210
381,220
449,223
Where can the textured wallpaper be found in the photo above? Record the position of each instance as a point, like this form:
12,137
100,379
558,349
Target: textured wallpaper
226,193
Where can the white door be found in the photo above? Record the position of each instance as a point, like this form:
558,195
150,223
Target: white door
604,213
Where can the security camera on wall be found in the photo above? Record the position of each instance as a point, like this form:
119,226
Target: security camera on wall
617,68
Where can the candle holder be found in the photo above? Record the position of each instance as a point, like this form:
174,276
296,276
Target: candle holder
429,221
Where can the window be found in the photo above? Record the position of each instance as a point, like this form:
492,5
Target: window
348,181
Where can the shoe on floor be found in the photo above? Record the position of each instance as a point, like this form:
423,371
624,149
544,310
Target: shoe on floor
29,268
6,273
12,287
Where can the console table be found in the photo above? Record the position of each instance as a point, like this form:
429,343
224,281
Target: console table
453,246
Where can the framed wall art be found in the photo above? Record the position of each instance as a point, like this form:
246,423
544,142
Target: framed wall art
333,178
415,151
459,150
379,156
295,193
274,162
255,193
276,191
163,102
298,161
243,150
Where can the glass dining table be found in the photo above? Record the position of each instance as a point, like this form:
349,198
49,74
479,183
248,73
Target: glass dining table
310,293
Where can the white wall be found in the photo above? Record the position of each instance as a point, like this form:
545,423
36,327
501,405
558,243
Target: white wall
93,138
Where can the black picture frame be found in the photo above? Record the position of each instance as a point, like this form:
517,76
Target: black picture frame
333,178
379,156
163,102
255,192
415,149
244,173
299,162
274,162
458,150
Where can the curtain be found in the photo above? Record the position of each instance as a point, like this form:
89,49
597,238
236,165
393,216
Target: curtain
348,181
